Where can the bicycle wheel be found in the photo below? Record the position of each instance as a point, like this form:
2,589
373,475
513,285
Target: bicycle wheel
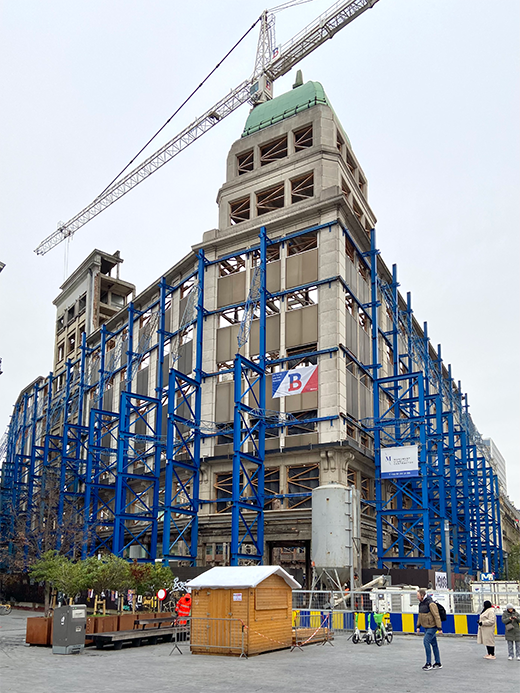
368,638
378,637
355,638
389,636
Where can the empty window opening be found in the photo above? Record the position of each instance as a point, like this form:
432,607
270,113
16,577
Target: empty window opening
232,265
364,320
187,335
272,254
351,433
347,192
224,491
71,343
70,314
271,199
365,380
300,244
273,151
357,209
349,249
350,303
309,359
60,323
303,138
245,162
61,351
352,366
339,142
302,188
233,316
302,298
351,164
117,300
301,480
82,303
240,210
362,184
225,371
187,286
363,270
272,487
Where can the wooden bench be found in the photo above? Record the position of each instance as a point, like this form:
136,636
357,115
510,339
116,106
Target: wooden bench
155,622
136,637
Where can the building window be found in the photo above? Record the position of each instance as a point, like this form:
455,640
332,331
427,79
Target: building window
240,210
303,138
224,491
302,298
349,249
349,303
273,151
300,244
351,164
300,361
245,162
71,343
363,270
82,303
117,300
339,142
60,323
357,210
301,480
270,199
364,320
302,188
71,314
61,351
232,265
303,426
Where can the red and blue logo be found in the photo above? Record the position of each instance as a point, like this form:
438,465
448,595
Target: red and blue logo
295,382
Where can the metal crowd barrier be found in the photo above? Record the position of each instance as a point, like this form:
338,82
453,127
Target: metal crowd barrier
223,634
312,628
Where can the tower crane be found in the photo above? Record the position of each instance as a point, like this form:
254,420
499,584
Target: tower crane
271,63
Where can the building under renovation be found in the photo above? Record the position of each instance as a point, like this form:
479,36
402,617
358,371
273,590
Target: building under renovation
163,431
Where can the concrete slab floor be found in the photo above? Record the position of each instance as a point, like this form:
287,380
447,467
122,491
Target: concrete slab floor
394,668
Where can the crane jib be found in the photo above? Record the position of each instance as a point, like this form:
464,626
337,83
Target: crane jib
305,42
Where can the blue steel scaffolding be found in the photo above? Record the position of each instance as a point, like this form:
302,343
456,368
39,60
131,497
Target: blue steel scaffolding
126,473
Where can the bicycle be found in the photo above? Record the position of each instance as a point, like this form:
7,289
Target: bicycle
5,609
383,631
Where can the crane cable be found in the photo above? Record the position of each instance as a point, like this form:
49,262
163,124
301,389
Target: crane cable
180,107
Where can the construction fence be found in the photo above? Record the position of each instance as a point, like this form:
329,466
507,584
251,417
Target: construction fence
312,609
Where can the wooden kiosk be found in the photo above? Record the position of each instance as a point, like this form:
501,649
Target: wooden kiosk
242,610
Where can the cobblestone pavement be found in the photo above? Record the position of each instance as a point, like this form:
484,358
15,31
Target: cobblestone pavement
394,668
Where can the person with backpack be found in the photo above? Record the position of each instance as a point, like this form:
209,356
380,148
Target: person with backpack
429,618
486,629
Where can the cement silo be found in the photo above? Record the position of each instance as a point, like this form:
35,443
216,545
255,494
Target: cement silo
335,533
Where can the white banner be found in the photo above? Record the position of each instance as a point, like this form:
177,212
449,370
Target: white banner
400,461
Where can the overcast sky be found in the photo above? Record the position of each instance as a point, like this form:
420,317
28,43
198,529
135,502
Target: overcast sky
427,91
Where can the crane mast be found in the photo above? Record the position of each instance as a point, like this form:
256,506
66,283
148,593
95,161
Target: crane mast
270,64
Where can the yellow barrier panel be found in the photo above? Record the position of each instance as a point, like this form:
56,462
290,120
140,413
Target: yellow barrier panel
337,620
361,621
407,621
315,619
461,624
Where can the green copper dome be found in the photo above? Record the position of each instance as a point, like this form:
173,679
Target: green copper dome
284,106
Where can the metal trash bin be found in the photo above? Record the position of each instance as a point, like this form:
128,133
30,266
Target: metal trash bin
69,626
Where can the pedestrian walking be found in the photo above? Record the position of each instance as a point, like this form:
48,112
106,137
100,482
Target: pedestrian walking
486,629
430,620
511,620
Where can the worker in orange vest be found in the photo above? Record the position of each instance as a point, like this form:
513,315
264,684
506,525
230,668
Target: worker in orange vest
183,609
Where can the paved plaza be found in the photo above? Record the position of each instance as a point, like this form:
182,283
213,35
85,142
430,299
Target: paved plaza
394,668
